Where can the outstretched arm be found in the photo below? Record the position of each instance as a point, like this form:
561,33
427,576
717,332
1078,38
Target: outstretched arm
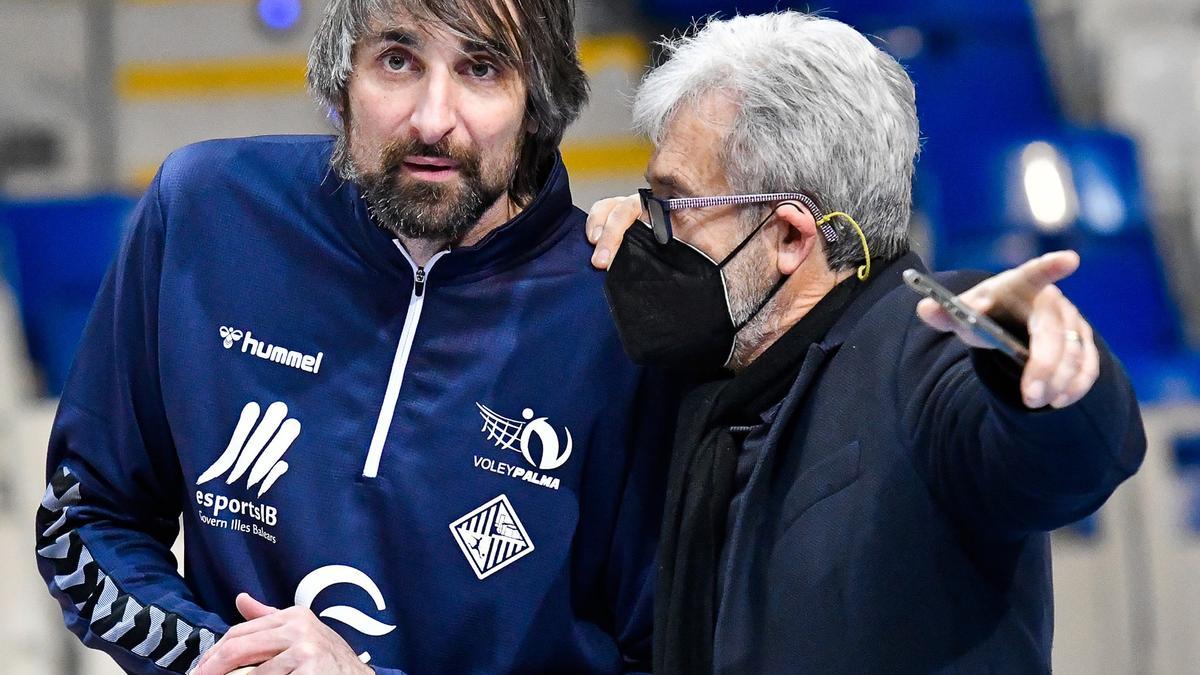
1017,450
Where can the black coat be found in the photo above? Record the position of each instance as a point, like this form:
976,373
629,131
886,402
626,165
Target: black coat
897,520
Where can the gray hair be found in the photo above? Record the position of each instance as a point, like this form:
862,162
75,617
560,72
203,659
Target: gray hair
820,110
535,36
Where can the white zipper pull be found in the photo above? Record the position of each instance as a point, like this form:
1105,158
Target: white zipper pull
419,283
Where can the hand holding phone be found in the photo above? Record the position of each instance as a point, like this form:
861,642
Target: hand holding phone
980,325
1062,359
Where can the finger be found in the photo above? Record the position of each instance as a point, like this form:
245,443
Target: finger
933,315
936,317
1045,350
1072,351
1089,372
247,650
1048,269
601,210
252,626
225,659
282,664
1014,290
310,669
306,657
242,629
251,608
597,215
939,319
619,219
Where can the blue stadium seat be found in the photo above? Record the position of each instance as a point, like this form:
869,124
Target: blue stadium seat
682,12
983,95
57,252
1121,286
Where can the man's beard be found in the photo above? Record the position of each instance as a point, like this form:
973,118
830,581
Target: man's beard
439,212
750,277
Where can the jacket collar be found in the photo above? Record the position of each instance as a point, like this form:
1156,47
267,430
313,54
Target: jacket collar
536,228
889,276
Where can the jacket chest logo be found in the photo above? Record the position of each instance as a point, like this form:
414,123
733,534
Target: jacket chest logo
533,438
255,453
491,537
231,337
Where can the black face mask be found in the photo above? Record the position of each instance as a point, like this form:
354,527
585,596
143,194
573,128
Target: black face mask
671,304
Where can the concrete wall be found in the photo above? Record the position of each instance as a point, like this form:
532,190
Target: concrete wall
47,87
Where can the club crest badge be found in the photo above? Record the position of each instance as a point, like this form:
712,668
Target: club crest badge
491,537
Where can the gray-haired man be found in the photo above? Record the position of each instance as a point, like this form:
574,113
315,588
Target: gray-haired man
860,492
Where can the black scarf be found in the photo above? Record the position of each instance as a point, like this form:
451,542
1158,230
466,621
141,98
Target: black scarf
701,485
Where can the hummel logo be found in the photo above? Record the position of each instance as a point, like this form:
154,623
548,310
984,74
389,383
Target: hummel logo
244,448
269,352
231,336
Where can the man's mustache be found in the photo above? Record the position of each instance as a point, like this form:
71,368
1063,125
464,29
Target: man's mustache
394,154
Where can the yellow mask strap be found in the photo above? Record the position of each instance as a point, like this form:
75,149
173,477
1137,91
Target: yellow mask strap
864,271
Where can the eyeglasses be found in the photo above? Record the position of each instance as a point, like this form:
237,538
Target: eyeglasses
659,210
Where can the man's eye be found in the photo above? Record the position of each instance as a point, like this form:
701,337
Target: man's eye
481,69
396,62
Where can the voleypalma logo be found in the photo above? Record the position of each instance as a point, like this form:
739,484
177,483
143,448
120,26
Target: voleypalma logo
255,451
534,438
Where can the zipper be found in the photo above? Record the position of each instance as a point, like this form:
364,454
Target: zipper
403,349
419,281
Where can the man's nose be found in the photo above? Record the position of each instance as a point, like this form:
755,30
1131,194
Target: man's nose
435,114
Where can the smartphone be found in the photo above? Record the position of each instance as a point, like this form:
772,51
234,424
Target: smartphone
980,325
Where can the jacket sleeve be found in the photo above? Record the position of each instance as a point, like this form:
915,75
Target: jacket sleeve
998,466
632,570
110,512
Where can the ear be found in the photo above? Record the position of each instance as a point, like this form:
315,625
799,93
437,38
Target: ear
796,236
532,126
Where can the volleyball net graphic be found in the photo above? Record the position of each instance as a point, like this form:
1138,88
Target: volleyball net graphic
502,431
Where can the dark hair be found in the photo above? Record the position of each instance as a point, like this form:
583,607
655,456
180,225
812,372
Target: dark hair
535,36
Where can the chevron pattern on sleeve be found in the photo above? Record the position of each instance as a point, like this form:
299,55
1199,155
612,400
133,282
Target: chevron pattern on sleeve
114,615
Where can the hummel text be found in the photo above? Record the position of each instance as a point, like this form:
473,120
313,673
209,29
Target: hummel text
273,353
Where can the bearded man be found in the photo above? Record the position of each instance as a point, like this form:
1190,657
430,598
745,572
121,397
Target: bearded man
374,376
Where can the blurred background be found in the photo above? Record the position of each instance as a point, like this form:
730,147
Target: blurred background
1056,123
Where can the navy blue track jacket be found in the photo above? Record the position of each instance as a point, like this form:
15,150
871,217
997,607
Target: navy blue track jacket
437,461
